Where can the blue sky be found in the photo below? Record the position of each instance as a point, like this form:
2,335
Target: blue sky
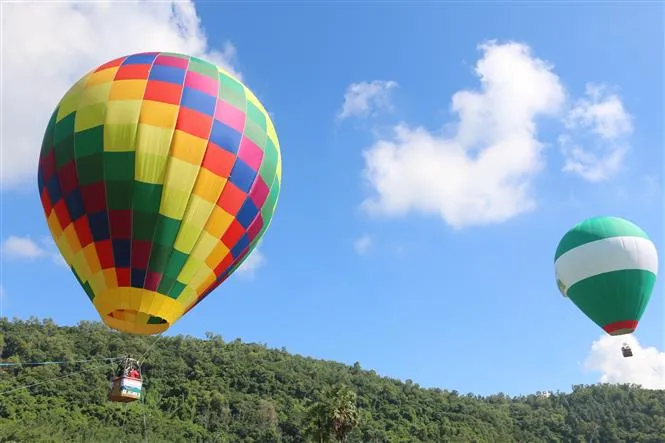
437,265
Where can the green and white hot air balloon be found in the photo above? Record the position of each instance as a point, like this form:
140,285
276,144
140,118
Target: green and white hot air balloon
607,267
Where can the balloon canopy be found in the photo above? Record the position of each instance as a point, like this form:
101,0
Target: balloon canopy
607,267
158,174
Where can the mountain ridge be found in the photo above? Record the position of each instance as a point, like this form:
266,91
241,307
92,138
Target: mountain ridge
209,390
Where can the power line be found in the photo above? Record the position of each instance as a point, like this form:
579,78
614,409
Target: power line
54,378
64,362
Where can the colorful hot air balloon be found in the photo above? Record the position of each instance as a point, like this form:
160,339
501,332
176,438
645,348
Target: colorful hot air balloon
158,174
607,267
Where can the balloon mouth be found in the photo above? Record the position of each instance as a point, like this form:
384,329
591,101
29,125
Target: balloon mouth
136,322
137,310
131,315
621,327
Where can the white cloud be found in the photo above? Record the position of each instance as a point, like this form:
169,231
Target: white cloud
482,173
646,367
602,121
602,112
48,46
24,248
365,98
249,267
17,248
362,244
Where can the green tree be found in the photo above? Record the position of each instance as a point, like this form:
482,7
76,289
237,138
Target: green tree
213,390
320,427
334,414
344,414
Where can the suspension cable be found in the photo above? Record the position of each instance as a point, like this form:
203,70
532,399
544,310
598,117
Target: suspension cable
54,378
63,362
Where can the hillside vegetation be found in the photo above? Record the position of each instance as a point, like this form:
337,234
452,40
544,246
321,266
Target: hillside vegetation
212,391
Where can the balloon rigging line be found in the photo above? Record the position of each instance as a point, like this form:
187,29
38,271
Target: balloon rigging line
145,354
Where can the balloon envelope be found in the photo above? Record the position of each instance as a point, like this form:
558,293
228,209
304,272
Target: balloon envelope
607,267
158,174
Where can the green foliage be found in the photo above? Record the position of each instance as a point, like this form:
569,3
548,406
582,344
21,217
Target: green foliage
212,391
334,413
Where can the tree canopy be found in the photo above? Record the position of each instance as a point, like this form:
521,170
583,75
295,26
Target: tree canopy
213,391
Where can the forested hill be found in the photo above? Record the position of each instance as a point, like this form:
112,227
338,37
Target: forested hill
208,390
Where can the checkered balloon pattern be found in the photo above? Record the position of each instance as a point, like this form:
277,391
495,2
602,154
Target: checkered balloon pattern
158,174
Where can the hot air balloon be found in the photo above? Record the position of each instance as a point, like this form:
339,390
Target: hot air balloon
159,173
607,267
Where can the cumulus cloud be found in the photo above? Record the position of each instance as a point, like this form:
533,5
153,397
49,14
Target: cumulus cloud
366,98
646,367
21,248
602,123
16,248
362,244
252,263
51,45
481,173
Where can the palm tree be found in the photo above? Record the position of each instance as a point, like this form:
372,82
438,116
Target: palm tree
345,415
335,414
